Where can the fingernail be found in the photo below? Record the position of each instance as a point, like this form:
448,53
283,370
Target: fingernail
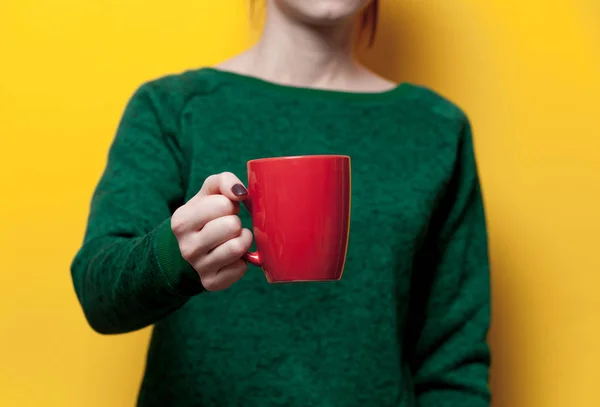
239,190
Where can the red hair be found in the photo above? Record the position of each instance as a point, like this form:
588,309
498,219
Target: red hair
369,20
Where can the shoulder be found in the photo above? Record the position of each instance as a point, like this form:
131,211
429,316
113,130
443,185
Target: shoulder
432,103
177,88
436,112
168,95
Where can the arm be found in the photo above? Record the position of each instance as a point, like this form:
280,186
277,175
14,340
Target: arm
450,309
129,272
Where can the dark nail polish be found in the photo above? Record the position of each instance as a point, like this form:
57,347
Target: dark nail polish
239,190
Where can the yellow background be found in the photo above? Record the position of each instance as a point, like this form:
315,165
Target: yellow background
527,73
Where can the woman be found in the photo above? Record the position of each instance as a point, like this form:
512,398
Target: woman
407,324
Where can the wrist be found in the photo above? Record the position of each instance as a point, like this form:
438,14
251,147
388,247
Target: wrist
180,274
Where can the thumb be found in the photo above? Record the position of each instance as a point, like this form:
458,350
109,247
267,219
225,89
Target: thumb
225,183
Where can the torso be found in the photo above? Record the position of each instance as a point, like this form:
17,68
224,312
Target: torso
327,344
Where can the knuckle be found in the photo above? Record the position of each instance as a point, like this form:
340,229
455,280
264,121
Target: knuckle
191,248
226,175
233,225
246,237
177,223
241,267
210,179
187,250
237,248
210,283
223,204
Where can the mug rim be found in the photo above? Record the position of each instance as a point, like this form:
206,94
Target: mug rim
298,158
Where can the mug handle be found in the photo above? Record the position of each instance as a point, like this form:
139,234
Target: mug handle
251,257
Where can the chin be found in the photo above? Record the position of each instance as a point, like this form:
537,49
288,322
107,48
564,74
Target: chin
322,12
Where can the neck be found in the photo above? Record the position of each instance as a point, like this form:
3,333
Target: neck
296,54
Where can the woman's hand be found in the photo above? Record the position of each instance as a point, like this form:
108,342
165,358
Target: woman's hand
210,233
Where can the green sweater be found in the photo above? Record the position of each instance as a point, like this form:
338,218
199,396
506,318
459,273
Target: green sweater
405,327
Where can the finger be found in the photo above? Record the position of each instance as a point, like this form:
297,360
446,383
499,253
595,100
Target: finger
218,231
226,184
228,252
194,215
226,276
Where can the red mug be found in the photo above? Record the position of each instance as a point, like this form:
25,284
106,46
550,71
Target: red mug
300,208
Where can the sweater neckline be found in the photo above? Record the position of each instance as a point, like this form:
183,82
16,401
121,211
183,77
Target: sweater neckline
297,91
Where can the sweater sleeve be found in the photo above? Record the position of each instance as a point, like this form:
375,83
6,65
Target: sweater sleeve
129,272
450,309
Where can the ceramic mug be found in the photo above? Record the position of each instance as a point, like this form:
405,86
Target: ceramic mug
300,208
